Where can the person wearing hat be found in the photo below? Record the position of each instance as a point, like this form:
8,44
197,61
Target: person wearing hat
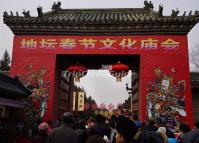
65,133
126,129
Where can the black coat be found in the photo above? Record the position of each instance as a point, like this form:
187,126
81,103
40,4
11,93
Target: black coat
42,137
191,137
63,134
100,129
82,134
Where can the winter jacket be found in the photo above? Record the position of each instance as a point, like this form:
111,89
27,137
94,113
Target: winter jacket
63,134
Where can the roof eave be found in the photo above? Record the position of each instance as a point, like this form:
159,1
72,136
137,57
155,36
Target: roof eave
90,29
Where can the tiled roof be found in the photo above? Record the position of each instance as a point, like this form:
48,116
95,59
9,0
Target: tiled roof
98,16
118,20
12,88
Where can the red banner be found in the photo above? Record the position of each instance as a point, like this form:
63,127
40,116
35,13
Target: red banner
163,73
95,44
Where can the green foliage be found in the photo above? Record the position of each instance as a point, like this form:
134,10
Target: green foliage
89,100
89,112
5,62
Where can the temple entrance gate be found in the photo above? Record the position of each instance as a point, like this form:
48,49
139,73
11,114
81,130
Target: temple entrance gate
159,41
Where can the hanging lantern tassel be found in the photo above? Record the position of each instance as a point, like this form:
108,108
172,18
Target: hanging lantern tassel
77,79
118,79
119,75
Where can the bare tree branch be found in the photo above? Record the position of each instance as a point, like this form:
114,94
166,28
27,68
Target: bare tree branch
194,57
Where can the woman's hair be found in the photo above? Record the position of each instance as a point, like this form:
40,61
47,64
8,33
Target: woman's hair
126,128
151,137
113,121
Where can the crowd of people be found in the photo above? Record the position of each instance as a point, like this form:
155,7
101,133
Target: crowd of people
117,129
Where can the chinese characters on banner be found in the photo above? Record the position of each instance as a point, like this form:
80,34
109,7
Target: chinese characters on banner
78,101
88,43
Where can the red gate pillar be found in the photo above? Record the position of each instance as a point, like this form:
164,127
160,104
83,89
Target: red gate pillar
172,72
37,71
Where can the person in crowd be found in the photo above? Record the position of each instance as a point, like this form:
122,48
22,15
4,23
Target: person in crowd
184,129
50,125
59,122
140,131
113,130
196,124
35,127
107,121
23,137
42,137
90,123
65,133
100,128
150,134
171,137
126,129
151,125
81,131
191,136
151,137
136,121
162,131
95,139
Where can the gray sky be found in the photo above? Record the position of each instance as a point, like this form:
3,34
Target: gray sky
100,87
104,88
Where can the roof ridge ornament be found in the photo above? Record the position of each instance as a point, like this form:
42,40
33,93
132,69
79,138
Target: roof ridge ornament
26,13
160,10
17,14
184,14
190,13
11,13
175,13
39,11
196,12
56,6
148,5
5,14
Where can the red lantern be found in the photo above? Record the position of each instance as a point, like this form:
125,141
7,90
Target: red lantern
119,70
77,71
